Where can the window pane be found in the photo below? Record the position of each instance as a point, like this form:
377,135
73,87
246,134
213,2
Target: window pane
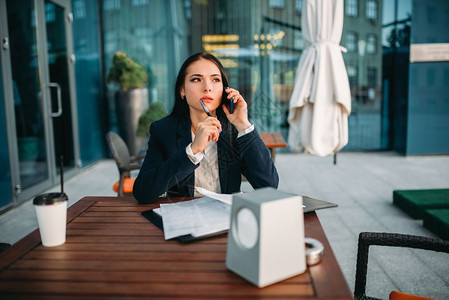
371,44
276,3
110,42
351,41
5,175
27,93
372,77
364,61
298,6
90,101
140,2
371,9
111,5
79,9
49,12
259,46
151,36
352,8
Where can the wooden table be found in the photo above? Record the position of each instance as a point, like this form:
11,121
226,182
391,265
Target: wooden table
273,140
112,251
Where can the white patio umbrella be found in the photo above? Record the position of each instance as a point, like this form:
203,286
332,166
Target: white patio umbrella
321,101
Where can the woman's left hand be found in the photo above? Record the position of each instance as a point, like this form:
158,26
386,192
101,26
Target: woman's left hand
239,118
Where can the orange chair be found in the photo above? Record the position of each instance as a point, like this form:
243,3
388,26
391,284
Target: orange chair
367,239
125,163
395,295
127,188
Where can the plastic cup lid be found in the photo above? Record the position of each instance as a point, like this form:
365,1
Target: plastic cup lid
50,198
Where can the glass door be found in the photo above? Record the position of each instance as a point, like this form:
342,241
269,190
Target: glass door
27,94
59,62
41,87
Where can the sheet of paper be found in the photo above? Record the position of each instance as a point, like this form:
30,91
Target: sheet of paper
177,219
210,216
196,217
226,198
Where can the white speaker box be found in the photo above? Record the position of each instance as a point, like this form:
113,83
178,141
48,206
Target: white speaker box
266,238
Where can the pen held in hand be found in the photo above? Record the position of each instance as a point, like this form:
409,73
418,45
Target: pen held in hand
205,108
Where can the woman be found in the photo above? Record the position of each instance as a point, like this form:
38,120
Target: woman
189,148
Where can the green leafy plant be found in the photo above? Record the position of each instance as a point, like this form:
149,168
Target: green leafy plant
126,72
155,112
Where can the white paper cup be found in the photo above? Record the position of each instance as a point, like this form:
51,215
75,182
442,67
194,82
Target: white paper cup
51,211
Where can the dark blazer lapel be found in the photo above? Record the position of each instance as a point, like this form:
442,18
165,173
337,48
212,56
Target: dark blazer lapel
183,133
183,138
223,153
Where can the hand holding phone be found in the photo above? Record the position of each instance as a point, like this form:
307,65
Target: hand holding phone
229,102
240,118
231,105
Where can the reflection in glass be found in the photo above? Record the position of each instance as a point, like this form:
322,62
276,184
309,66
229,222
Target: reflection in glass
351,41
427,127
79,9
88,81
361,34
371,44
155,34
27,93
109,5
261,62
58,68
351,8
395,53
49,12
5,175
371,9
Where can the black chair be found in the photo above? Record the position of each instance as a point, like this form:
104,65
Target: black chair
4,246
367,239
125,162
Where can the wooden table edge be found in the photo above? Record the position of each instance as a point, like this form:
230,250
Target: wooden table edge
326,286
32,240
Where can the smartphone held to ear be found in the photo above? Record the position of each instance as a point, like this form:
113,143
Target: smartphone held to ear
229,102
231,105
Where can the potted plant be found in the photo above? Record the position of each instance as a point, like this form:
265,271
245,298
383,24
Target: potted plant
155,112
131,99
127,73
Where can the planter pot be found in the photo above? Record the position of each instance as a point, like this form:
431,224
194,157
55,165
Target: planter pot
129,106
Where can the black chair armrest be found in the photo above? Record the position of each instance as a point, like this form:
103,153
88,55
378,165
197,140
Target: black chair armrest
4,246
367,239
134,166
137,158
131,167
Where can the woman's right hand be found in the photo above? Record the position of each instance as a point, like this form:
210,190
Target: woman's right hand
207,130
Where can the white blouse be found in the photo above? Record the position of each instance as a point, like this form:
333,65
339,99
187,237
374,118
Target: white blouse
206,175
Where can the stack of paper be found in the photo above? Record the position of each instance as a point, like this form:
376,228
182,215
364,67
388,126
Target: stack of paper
197,217
210,214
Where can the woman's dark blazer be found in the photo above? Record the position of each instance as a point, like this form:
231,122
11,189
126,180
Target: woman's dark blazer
168,169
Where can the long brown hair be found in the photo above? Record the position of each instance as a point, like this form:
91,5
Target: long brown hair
181,108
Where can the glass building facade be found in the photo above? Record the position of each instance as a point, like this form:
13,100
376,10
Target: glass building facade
258,42
89,80
67,46
428,82
5,175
